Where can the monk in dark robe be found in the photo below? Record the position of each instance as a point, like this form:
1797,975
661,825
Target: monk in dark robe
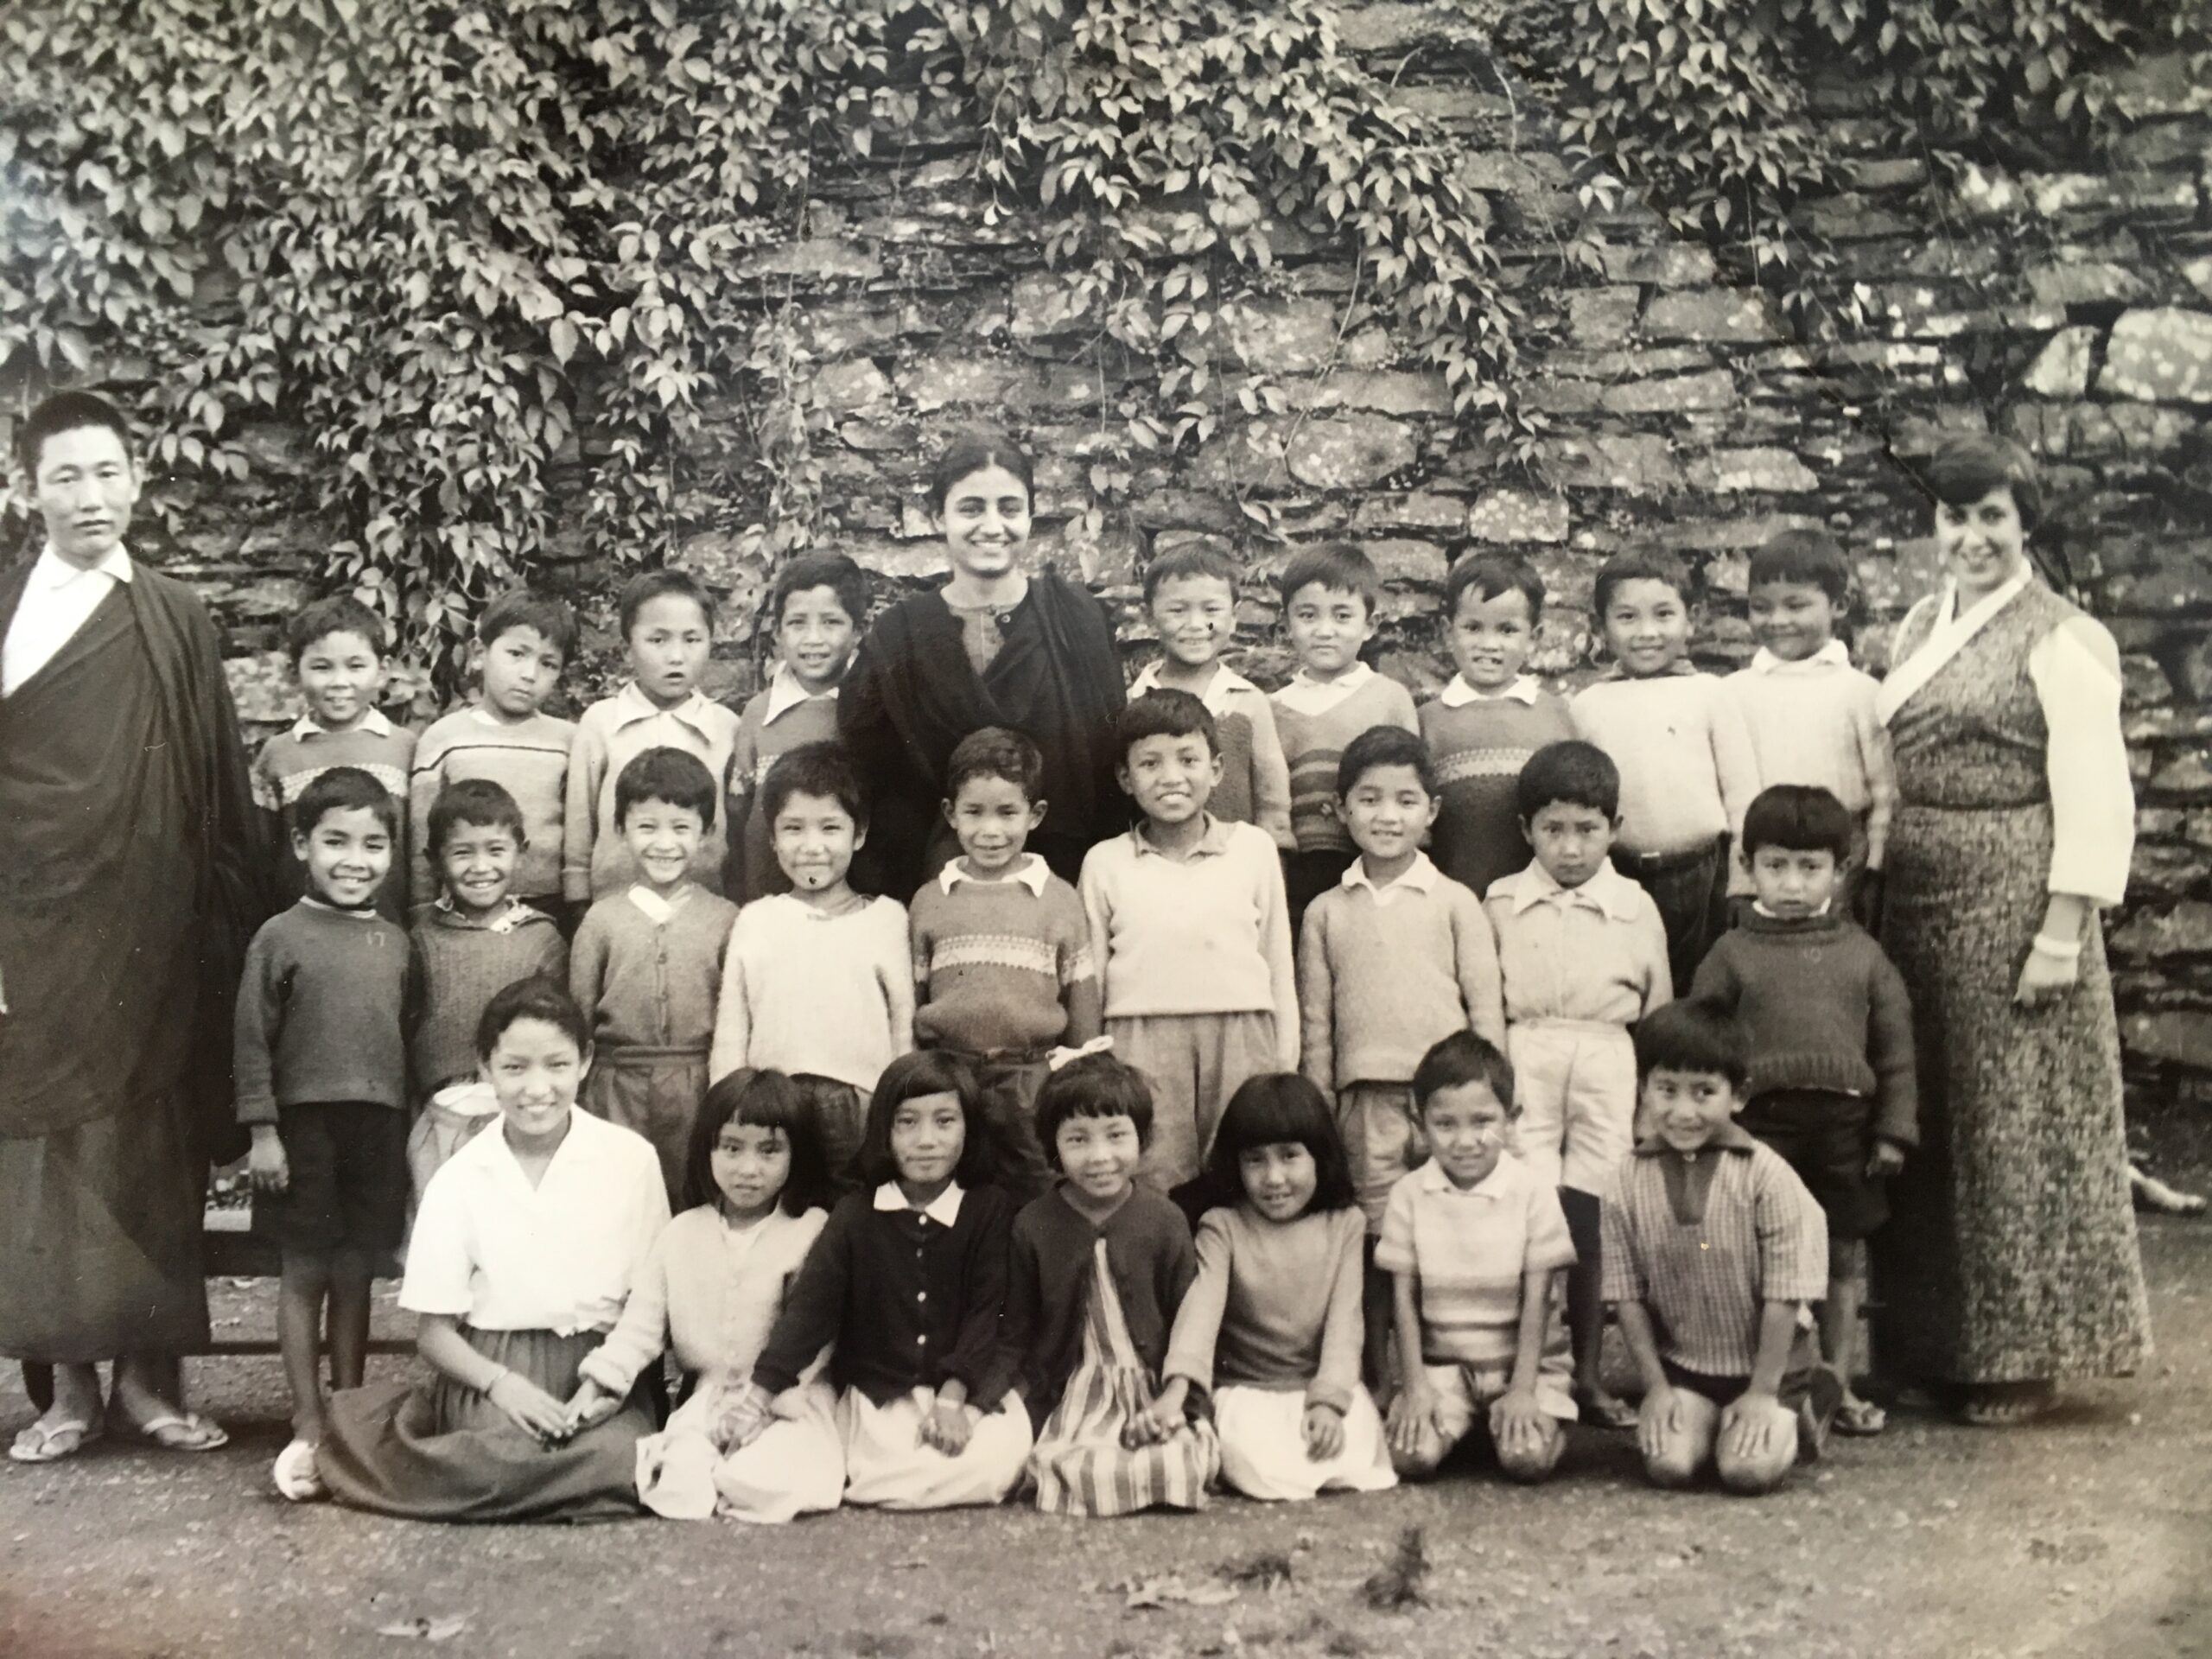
128,888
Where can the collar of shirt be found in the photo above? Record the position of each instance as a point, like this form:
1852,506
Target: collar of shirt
637,706
489,1151
1306,695
1524,690
1033,874
1215,696
1213,843
360,913
660,911
1492,1186
1729,1137
1420,875
1820,915
786,693
1834,654
51,573
1948,615
373,723
1679,666
446,913
944,1209
1606,892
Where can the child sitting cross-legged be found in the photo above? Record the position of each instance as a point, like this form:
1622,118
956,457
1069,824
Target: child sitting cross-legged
907,1281
756,1189
1100,1266
1476,1244
1713,1252
1271,1326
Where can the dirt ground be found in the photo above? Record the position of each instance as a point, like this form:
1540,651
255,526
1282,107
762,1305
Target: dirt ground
2088,1535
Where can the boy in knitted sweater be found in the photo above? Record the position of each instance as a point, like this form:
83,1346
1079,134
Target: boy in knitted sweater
1330,593
1002,965
1832,1085
1392,959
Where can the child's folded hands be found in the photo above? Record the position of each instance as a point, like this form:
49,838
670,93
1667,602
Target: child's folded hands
744,1419
545,1418
1159,1422
590,1404
948,1427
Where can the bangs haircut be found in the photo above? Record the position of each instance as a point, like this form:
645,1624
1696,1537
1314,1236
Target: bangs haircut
996,752
1579,773
1624,568
1385,746
1695,1037
1335,567
1799,818
810,570
538,997
1191,563
969,451
68,411
553,618
927,1071
1273,1107
1096,1085
344,789
674,776
767,1100
822,770
1163,713
1487,576
1811,558
1461,1058
649,585
335,613
477,801
1969,465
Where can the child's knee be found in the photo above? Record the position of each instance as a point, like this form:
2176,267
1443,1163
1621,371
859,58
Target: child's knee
1685,1448
1762,1471
1535,1460
305,1272
1423,1458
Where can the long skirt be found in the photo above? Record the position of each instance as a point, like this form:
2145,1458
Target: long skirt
655,1091
2011,1252
887,1465
100,1237
1080,1465
796,1467
1263,1446
440,1450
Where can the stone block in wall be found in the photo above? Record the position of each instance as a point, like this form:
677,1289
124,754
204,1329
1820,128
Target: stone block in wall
2183,1036
2144,683
2102,432
1384,391
1601,317
2199,275
851,386
2163,872
1348,454
1290,336
1046,303
1172,508
262,688
1665,264
1511,518
2160,84
2185,778
1418,510
2061,368
1639,464
1714,389
1404,560
2183,586
1394,26
1552,396
935,383
1722,316
2160,355
1735,471
823,258
2084,282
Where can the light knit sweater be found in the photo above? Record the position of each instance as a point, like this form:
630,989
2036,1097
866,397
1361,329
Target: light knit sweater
529,758
1688,767
1813,723
1276,1305
323,1011
1314,731
808,993
1002,964
461,963
613,732
1479,746
646,983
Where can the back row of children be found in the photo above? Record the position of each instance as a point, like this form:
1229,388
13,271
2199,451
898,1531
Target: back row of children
1179,946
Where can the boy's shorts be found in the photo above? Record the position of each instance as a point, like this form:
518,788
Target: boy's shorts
1827,1137
1465,1394
347,1161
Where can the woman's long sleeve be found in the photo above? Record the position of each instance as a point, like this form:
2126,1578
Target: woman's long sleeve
2075,672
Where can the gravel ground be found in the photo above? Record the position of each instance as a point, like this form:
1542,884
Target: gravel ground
2089,1533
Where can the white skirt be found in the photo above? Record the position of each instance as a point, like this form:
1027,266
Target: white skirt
796,1466
887,1465
1263,1446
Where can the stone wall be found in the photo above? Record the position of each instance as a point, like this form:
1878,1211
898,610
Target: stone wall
2074,309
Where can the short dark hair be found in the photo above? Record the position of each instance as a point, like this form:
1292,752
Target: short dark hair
1693,1036
1186,563
768,1100
475,801
1579,773
674,776
1489,575
1967,466
344,789
996,752
1799,818
1338,567
1385,746
823,770
334,614
928,1072
1274,1107
1624,568
1461,1058
67,411
524,608
649,585
1163,713
539,997
970,450
808,571
1811,556
1094,1085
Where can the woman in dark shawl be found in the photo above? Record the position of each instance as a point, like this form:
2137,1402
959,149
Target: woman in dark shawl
993,646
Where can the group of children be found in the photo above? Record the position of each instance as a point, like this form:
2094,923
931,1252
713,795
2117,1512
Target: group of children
1464,1086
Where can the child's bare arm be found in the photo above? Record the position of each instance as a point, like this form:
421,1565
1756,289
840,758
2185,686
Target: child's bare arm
1643,1345
1414,1410
1535,1326
1777,1335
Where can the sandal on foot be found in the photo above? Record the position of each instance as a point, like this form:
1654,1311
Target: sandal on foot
2005,1405
1606,1411
1861,1418
175,1431
45,1442
296,1476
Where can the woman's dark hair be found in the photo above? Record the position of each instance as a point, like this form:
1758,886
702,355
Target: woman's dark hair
1969,465
1579,773
335,613
823,770
970,451
1096,1085
1693,1036
1810,557
1800,818
803,574
674,776
477,801
344,789
66,411
1461,1058
1624,568
538,997
1489,576
1385,746
649,585
1275,1106
551,617
1163,713
928,1072
768,1100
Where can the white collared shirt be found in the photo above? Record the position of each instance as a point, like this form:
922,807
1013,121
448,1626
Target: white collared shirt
1834,654
1420,876
632,705
944,1209
1306,695
1033,872
1524,690
1216,696
59,598
374,723
786,692
1595,953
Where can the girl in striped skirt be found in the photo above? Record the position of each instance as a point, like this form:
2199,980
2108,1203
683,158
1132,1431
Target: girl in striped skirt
1099,1268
